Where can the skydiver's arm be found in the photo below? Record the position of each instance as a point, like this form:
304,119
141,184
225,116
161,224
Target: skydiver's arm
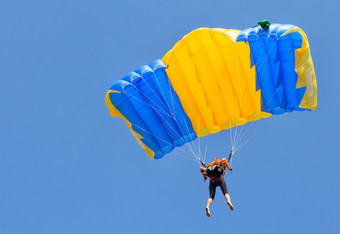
203,171
229,168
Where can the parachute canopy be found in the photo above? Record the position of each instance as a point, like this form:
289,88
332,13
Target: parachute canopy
215,79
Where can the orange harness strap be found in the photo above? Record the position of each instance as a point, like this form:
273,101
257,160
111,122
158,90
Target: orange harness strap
214,177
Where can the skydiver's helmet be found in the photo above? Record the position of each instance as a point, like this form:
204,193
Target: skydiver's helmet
218,161
223,162
214,163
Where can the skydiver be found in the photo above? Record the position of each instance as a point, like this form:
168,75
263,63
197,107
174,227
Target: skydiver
215,171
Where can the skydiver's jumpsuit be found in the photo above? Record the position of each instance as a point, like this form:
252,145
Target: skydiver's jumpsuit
215,174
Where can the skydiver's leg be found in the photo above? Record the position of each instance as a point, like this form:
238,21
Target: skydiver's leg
212,190
210,200
207,211
227,197
226,194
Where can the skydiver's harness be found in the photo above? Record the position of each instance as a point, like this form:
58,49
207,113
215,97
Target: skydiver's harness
215,170
214,177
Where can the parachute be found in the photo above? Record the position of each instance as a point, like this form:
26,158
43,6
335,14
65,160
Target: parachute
215,79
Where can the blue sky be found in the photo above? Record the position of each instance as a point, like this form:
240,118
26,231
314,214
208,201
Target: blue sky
67,166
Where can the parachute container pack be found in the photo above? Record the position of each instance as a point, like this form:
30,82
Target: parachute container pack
215,79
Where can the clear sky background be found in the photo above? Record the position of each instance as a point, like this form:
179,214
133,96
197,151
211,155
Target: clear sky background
67,166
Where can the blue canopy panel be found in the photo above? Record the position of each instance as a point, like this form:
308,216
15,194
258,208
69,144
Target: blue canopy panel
273,55
148,101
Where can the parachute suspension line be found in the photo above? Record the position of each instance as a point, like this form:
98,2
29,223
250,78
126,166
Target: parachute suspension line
284,78
230,133
245,142
258,66
146,103
168,107
265,50
205,145
173,114
267,54
239,141
171,97
186,156
172,110
205,152
199,142
240,134
282,82
189,145
199,81
159,138
236,132
165,121
158,112
197,154
155,92
230,117
241,145
242,92
237,136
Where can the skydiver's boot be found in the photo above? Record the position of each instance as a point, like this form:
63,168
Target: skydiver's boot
230,205
207,212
